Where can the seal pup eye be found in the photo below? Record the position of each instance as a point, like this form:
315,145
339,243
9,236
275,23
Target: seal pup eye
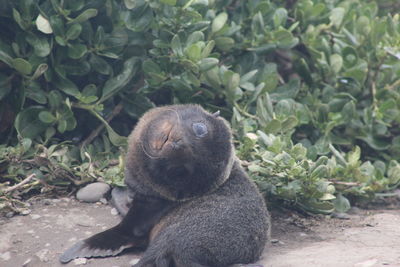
200,129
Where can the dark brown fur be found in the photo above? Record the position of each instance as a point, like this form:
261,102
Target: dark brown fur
192,203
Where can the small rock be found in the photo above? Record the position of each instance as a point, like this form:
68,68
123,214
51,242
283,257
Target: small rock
341,215
80,261
114,211
26,262
10,214
274,241
103,201
35,216
47,201
354,211
134,261
42,255
30,232
5,256
368,263
25,212
92,192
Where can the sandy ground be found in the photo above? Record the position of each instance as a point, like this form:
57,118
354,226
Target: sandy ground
368,239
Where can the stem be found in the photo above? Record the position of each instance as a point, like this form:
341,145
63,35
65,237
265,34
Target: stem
25,181
117,109
244,112
188,4
337,154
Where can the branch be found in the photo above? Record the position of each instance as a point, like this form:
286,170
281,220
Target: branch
25,181
117,109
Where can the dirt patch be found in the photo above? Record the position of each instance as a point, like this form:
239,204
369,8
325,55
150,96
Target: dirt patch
368,238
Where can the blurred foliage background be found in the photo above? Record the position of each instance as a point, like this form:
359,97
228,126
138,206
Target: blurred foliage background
311,87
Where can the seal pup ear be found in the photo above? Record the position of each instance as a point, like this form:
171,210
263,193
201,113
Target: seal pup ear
216,114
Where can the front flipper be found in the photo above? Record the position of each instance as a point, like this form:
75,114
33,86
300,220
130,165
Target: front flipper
108,243
132,231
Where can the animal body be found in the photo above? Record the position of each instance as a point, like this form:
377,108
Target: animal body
189,203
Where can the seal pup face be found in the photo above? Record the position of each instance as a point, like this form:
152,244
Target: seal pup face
181,151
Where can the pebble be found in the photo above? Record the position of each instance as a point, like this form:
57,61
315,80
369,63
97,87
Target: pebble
35,216
114,211
10,214
80,261
26,262
92,192
25,212
5,256
354,211
367,263
134,261
341,215
103,201
42,255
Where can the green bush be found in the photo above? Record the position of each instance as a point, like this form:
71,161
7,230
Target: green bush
312,89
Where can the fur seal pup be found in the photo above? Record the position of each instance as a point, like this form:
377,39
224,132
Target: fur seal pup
190,202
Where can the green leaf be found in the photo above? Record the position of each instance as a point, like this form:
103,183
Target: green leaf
354,156
219,22
77,51
66,85
84,16
22,66
46,117
17,17
141,20
114,85
224,43
337,15
208,49
341,203
26,144
195,37
74,31
130,4
273,126
169,2
100,65
289,123
336,62
280,17
62,126
208,63
149,66
176,45
116,139
42,68
316,206
28,124
40,45
194,52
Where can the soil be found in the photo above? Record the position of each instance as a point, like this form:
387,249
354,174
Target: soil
368,238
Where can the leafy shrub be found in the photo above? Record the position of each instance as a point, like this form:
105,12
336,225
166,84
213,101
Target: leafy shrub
311,88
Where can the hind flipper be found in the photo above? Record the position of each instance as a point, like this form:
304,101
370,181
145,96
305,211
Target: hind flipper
108,243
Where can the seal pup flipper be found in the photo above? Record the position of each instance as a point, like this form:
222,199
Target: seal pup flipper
108,243
132,231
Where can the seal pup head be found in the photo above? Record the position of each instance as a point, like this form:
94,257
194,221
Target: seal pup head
179,151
